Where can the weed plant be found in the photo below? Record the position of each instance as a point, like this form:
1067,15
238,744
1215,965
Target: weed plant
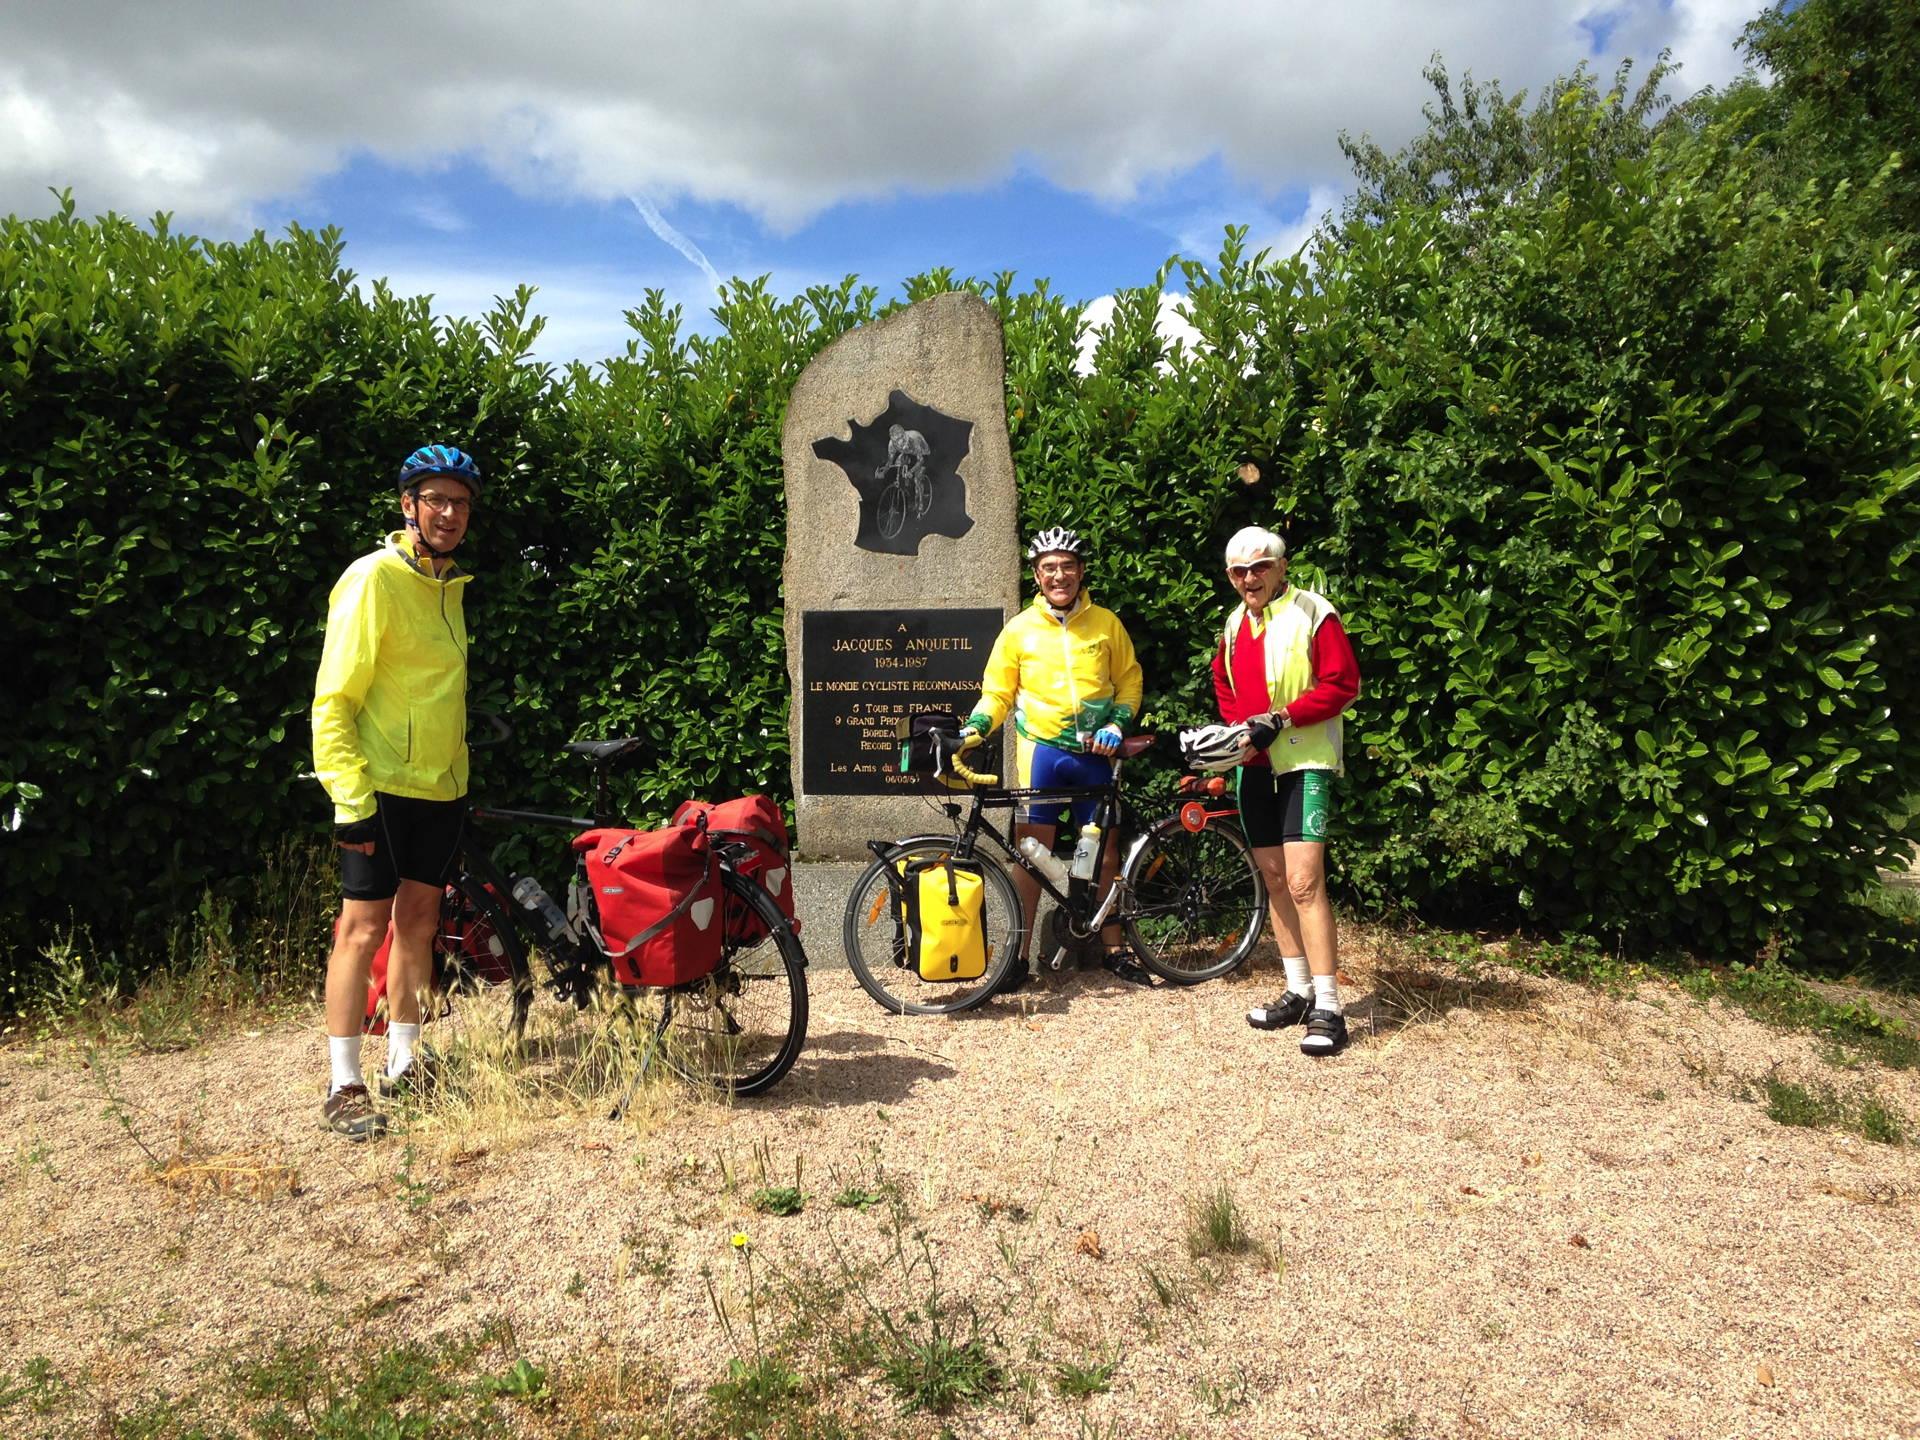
771,1199
233,960
1168,1292
1823,1107
933,1355
1076,1380
1218,1227
470,1387
1769,990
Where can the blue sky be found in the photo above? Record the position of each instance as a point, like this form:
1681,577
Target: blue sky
1083,141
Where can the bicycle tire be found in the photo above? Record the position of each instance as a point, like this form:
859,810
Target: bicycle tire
476,939
876,950
892,510
1196,901
704,1039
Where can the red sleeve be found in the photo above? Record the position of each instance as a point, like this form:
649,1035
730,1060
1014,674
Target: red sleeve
1222,692
1336,675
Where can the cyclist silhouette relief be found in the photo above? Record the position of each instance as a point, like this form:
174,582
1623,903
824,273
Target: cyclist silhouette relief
908,491
905,467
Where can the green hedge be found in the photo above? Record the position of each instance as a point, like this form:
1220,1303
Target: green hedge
1616,498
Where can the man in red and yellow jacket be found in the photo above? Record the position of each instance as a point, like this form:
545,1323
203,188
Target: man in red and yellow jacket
1286,670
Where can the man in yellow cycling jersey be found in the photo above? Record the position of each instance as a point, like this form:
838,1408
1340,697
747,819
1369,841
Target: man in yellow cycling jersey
390,747
1065,668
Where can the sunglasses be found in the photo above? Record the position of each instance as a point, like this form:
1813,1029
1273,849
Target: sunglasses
1251,572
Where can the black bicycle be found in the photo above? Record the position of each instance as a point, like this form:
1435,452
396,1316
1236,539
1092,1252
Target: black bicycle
1188,894
738,1028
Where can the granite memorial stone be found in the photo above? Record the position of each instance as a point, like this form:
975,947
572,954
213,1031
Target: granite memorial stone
902,558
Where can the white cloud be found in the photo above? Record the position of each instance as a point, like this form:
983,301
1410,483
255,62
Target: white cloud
584,305
1286,240
208,108
1171,322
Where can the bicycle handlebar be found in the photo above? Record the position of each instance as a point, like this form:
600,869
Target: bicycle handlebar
961,769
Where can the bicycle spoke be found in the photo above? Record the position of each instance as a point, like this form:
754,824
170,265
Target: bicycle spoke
1198,903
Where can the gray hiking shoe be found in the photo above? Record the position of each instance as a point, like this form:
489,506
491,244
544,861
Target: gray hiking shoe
417,1081
349,1111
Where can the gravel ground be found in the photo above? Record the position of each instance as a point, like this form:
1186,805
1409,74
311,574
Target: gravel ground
1513,1208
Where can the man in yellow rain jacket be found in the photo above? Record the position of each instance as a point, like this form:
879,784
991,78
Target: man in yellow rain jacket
1066,670
390,747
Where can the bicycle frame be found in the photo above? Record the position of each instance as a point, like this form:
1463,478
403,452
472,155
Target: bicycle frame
1108,817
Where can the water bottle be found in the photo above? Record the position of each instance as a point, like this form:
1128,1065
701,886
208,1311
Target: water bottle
1087,852
533,896
1043,860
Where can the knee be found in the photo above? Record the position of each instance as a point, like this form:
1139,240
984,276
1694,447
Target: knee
1305,889
359,931
416,917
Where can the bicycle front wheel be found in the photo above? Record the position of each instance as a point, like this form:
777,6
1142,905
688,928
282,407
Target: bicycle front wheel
876,939
480,958
741,1028
1198,902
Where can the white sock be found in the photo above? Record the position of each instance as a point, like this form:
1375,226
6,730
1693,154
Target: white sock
344,1050
1326,993
1299,978
400,1043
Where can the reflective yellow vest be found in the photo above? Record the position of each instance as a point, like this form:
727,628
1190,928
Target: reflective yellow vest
390,701
1291,620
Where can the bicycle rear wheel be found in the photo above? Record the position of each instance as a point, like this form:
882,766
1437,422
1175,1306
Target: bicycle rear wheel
876,944
1197,901
741,1028
480,967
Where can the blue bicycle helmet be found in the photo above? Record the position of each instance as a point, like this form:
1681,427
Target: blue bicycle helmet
440,460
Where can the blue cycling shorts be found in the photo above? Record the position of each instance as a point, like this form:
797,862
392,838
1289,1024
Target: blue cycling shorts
1038,766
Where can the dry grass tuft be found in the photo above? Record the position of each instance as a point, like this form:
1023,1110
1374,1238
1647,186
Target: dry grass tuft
243,1175
1406,996
495,1094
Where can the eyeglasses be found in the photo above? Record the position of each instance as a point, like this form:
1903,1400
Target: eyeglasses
444,504
1058,571
1251,572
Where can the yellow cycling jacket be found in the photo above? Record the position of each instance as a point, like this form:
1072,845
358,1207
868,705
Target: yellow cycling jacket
1070,677
390,702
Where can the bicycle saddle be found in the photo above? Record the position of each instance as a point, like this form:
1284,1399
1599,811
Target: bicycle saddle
605,752
1135,745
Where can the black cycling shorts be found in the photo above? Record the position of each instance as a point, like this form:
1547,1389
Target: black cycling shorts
1276,809
417,841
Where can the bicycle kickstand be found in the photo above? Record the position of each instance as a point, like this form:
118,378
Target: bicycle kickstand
653,1049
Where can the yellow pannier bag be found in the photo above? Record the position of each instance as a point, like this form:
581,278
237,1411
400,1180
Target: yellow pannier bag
945,937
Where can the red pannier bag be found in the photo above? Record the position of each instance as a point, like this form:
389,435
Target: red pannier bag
658,896
464,933
756,820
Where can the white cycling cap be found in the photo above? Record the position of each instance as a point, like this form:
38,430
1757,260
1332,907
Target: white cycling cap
1253,543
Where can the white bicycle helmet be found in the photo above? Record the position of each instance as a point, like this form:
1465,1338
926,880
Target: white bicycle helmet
1213,747
1057,539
